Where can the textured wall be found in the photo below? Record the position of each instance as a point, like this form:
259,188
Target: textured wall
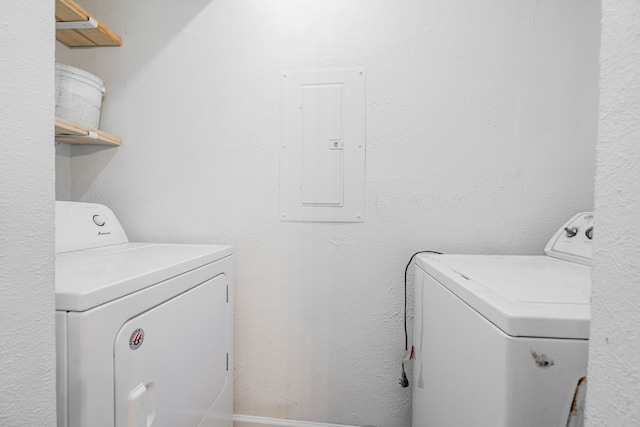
27,339
614,372
481,130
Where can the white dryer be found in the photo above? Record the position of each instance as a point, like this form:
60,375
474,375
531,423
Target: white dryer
143,331
501,341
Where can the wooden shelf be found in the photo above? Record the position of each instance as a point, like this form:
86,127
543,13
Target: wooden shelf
86,31
69,11
74,133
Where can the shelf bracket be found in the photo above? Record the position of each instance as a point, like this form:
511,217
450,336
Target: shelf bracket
75,25
90,135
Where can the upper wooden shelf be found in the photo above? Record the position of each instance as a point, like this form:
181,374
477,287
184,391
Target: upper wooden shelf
74,133
69,11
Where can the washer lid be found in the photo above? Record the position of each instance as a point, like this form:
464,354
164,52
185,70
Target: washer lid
534,296
88,278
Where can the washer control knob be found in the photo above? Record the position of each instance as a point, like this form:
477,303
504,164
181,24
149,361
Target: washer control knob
571,232
99,220
589,233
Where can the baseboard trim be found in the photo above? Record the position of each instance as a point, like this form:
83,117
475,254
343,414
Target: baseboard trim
251,421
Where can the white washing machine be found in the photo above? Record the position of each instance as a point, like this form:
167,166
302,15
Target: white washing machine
143,331
501,341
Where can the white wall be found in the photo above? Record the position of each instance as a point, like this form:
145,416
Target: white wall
481,130
614,372
27,340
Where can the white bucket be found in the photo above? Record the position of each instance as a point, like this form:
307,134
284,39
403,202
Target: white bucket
78,95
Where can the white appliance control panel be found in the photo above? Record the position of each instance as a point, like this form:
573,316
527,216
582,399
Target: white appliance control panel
86,225
573,242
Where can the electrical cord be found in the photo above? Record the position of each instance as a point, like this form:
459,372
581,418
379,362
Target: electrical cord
404,381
